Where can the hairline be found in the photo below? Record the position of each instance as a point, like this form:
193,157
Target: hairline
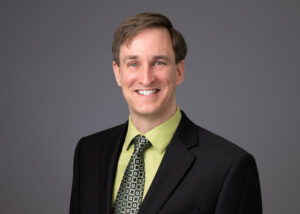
127,41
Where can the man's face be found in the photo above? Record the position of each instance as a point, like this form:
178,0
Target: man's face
148,74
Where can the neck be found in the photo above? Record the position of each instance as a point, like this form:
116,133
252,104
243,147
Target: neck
145,123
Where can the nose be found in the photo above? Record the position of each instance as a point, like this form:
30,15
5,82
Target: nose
146,76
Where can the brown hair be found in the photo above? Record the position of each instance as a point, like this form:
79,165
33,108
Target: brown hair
131,26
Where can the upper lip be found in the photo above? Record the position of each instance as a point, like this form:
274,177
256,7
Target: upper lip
152,89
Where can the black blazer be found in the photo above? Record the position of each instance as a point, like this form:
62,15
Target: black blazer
201,173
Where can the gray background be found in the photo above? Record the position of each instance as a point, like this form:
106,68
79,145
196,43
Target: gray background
57,85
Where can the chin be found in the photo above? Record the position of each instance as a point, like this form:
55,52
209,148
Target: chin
146,111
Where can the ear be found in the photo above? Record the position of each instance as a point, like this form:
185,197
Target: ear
117,73
180,72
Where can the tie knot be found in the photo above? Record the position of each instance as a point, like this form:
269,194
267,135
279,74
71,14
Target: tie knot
141,143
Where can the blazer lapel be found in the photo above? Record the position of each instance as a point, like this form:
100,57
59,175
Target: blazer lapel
174,166
108,164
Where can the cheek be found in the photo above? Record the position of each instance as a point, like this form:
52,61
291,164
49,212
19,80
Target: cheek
166,78
128,79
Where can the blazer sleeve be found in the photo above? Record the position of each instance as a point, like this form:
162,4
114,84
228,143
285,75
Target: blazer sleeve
75,193
241,192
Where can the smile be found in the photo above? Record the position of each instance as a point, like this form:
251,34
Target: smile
147,92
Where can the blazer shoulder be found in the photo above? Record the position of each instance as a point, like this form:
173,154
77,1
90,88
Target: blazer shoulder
207,142
107,135
218,146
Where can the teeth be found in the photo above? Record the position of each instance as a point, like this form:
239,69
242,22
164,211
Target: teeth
146,92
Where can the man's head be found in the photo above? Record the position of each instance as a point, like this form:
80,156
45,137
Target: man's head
149,64
131,26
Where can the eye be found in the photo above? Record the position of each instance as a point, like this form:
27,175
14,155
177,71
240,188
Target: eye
132,64
159,63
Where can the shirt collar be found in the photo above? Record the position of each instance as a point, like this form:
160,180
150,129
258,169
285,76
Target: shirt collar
160,136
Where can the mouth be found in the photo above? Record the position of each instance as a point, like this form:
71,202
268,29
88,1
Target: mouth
148,92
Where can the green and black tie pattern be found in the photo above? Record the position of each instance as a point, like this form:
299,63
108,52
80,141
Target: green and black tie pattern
131,190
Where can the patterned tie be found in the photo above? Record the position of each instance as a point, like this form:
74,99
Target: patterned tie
131,190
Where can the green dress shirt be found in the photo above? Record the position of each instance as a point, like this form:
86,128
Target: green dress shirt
159,137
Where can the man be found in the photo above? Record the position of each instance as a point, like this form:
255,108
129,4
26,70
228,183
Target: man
159,161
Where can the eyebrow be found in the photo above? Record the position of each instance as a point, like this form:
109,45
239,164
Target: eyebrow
134,57
164,57
130,57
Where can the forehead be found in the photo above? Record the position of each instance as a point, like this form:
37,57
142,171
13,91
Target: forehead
148,30
155,40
